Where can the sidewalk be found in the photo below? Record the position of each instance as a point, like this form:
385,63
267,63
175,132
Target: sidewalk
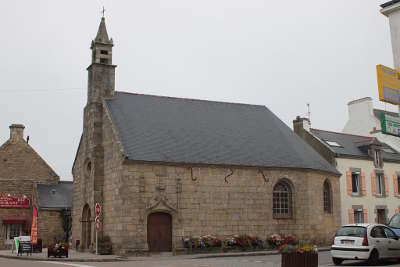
75,256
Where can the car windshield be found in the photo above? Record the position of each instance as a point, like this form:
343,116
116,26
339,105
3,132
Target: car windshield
357,231
395,221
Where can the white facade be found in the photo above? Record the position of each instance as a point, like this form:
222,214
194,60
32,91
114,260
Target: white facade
368,201
393,13
362,121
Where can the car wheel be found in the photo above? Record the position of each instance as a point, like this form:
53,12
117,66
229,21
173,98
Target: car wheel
373,257
337,261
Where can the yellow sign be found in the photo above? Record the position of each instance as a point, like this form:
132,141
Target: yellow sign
388,84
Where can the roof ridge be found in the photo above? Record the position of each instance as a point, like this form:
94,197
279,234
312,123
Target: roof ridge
369,137
193,99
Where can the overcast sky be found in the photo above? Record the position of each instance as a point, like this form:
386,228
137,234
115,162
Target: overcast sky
282,54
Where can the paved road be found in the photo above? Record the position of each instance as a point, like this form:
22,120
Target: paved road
180,261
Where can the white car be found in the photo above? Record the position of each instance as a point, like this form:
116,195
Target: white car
365,242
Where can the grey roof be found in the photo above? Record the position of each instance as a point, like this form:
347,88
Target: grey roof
55,196
389,3
177,130
354,145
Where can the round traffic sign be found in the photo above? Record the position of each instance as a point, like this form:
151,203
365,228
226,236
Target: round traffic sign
98,209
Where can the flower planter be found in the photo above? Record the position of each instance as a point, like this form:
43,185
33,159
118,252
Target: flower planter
299,259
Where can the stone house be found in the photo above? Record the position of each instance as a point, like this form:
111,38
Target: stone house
370,181
22,173
163,168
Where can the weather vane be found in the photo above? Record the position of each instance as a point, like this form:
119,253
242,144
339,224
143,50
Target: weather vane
103,11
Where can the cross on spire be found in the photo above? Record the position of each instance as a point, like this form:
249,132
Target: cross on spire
103,11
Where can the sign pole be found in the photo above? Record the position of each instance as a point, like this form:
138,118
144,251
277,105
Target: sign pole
97,244
97,221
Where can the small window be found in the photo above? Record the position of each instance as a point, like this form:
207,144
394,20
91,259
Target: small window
379,184
282,200
13,230
333,143
358,216
355,182
377,159
327,198
103,60
104,52
398,184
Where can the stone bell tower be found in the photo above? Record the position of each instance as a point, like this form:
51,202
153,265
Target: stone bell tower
101,85
101,82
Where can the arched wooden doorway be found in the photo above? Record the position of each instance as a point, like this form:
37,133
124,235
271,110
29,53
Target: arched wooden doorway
86,227
159,232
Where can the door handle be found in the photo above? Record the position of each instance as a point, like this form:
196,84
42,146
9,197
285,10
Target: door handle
377,241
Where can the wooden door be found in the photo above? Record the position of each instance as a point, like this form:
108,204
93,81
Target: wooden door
159,232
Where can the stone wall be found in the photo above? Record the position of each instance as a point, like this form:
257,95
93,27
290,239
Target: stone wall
50,226
20,169
201,199
15,188
207,204
19,161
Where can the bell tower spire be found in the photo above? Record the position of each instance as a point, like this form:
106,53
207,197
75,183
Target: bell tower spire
101,71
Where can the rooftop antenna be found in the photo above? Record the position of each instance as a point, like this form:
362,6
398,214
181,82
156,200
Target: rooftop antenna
309,113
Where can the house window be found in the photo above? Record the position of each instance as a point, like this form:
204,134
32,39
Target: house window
358,216
356,183
12,230
327,197
377,157
103,60
398,184
282,200
104,52
379,184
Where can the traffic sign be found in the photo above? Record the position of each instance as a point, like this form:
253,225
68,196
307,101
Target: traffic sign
98,209
97,221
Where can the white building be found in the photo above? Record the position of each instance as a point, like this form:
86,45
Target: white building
370,181
365,120
391,9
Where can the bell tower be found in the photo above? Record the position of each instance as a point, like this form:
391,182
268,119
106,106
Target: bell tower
101,80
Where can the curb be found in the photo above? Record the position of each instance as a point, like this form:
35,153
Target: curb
119,259
265,253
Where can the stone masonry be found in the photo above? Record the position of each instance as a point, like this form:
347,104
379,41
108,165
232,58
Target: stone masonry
21,168
202,199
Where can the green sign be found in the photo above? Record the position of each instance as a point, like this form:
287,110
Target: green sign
390,124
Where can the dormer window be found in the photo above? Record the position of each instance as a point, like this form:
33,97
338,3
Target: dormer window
378,159
333,143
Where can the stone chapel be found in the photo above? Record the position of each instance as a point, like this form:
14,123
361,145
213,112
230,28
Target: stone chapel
164,168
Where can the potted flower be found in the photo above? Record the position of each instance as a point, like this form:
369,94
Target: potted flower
299,255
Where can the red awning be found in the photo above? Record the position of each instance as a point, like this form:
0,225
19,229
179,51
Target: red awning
13,219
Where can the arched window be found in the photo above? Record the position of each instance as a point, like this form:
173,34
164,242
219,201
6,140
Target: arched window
327,197
282,200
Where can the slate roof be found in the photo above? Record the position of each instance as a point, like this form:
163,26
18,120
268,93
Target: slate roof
389,3
55,196
186,131
353,145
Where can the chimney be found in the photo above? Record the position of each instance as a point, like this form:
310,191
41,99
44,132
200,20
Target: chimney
16,132
301,124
